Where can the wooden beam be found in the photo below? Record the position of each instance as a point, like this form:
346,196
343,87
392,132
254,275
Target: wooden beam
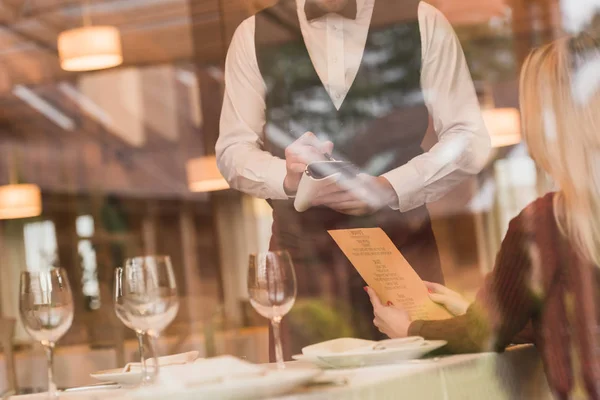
29,38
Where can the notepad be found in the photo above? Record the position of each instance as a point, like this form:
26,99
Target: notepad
317,176
386,271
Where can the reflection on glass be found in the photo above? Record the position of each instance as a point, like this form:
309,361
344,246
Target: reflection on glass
40,244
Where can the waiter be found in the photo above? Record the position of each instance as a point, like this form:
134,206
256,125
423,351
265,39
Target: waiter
359,80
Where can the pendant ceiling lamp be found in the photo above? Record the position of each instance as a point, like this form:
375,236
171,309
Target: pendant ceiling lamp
19,200
204,175
89,48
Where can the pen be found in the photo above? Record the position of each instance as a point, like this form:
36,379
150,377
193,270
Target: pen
328,157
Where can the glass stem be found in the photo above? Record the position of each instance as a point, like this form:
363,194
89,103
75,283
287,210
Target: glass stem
140,338
276,324
52,391
153,340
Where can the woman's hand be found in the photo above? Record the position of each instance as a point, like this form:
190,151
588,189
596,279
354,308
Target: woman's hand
454,302
391,321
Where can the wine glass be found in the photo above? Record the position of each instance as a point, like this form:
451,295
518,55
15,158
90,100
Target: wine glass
122,315
46,310
149,300
272,290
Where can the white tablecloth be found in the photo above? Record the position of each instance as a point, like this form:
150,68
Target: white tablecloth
74,364
515,374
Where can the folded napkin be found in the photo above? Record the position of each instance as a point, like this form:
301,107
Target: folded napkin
174,359
352,345
337,346
210,370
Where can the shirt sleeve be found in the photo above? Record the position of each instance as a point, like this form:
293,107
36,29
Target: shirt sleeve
240,156
463,141
505,303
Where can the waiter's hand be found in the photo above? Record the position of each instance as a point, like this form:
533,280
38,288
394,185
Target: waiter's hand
364,195
308,148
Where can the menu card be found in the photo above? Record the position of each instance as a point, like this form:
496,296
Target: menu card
387,272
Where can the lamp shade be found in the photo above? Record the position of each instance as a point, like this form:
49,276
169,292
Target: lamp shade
90,48
20,201
503,125
204,176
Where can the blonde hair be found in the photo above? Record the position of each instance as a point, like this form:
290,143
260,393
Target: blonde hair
561,125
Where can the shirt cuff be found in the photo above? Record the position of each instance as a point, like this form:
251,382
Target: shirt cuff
274,178
414,329
408,185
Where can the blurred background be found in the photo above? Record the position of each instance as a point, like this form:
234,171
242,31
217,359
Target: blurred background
113,157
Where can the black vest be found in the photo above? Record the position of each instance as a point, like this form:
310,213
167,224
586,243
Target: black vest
379,127
382,121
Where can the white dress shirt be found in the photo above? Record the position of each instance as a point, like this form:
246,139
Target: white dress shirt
336,45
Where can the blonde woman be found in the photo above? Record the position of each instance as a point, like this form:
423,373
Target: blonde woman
547,270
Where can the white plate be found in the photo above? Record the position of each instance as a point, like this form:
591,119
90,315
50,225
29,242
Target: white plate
373,357
353,345
117,375
313,360
273,383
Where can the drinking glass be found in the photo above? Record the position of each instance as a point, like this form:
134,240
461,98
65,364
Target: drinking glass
272,290
46,310
122,315
149,300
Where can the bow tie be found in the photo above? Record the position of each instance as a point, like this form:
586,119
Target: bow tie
313,10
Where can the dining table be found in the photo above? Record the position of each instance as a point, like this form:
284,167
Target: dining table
516,373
